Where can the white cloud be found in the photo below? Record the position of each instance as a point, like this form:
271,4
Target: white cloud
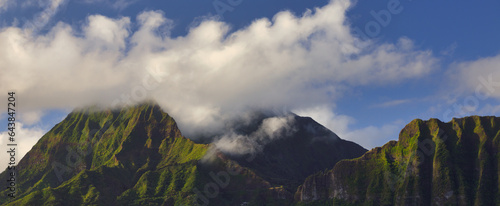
209,75
106,33
50,8
471,86
271,129
326,117
31,117
26,138
368,137
480,78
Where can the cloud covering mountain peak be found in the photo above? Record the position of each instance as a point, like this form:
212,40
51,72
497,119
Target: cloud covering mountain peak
208,76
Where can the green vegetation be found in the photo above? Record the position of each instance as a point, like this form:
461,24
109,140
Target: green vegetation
138,156
455,163
131,156
135,155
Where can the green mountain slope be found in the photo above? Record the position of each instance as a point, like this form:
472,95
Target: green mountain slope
100,157
433,163
138,156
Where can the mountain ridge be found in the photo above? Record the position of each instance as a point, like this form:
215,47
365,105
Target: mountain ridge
138,156
135,156
432,163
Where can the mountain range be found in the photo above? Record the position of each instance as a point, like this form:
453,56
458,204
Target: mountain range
138,156
432,163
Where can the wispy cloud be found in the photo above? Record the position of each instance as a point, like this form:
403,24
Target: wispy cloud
449,51
122,4
393,103
269,130
118,4
4,4
41,19
368,137
489,109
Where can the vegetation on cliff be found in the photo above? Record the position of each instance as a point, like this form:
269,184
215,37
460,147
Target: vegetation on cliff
433,163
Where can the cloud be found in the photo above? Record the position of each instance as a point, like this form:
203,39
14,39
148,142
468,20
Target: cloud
31,117
372,136
393,103
489,109
122,4
25,139
118,4
269,130
471,87
4,4
450,50
368,137
324,115
480,78
50,8
208,76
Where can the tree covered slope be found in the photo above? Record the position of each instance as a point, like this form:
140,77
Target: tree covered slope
433,163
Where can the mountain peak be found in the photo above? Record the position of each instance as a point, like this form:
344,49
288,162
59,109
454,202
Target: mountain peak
133,137
136,154
286,148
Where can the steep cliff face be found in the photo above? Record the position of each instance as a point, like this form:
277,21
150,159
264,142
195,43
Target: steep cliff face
433,163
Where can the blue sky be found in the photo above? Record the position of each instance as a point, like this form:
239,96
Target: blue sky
208,59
